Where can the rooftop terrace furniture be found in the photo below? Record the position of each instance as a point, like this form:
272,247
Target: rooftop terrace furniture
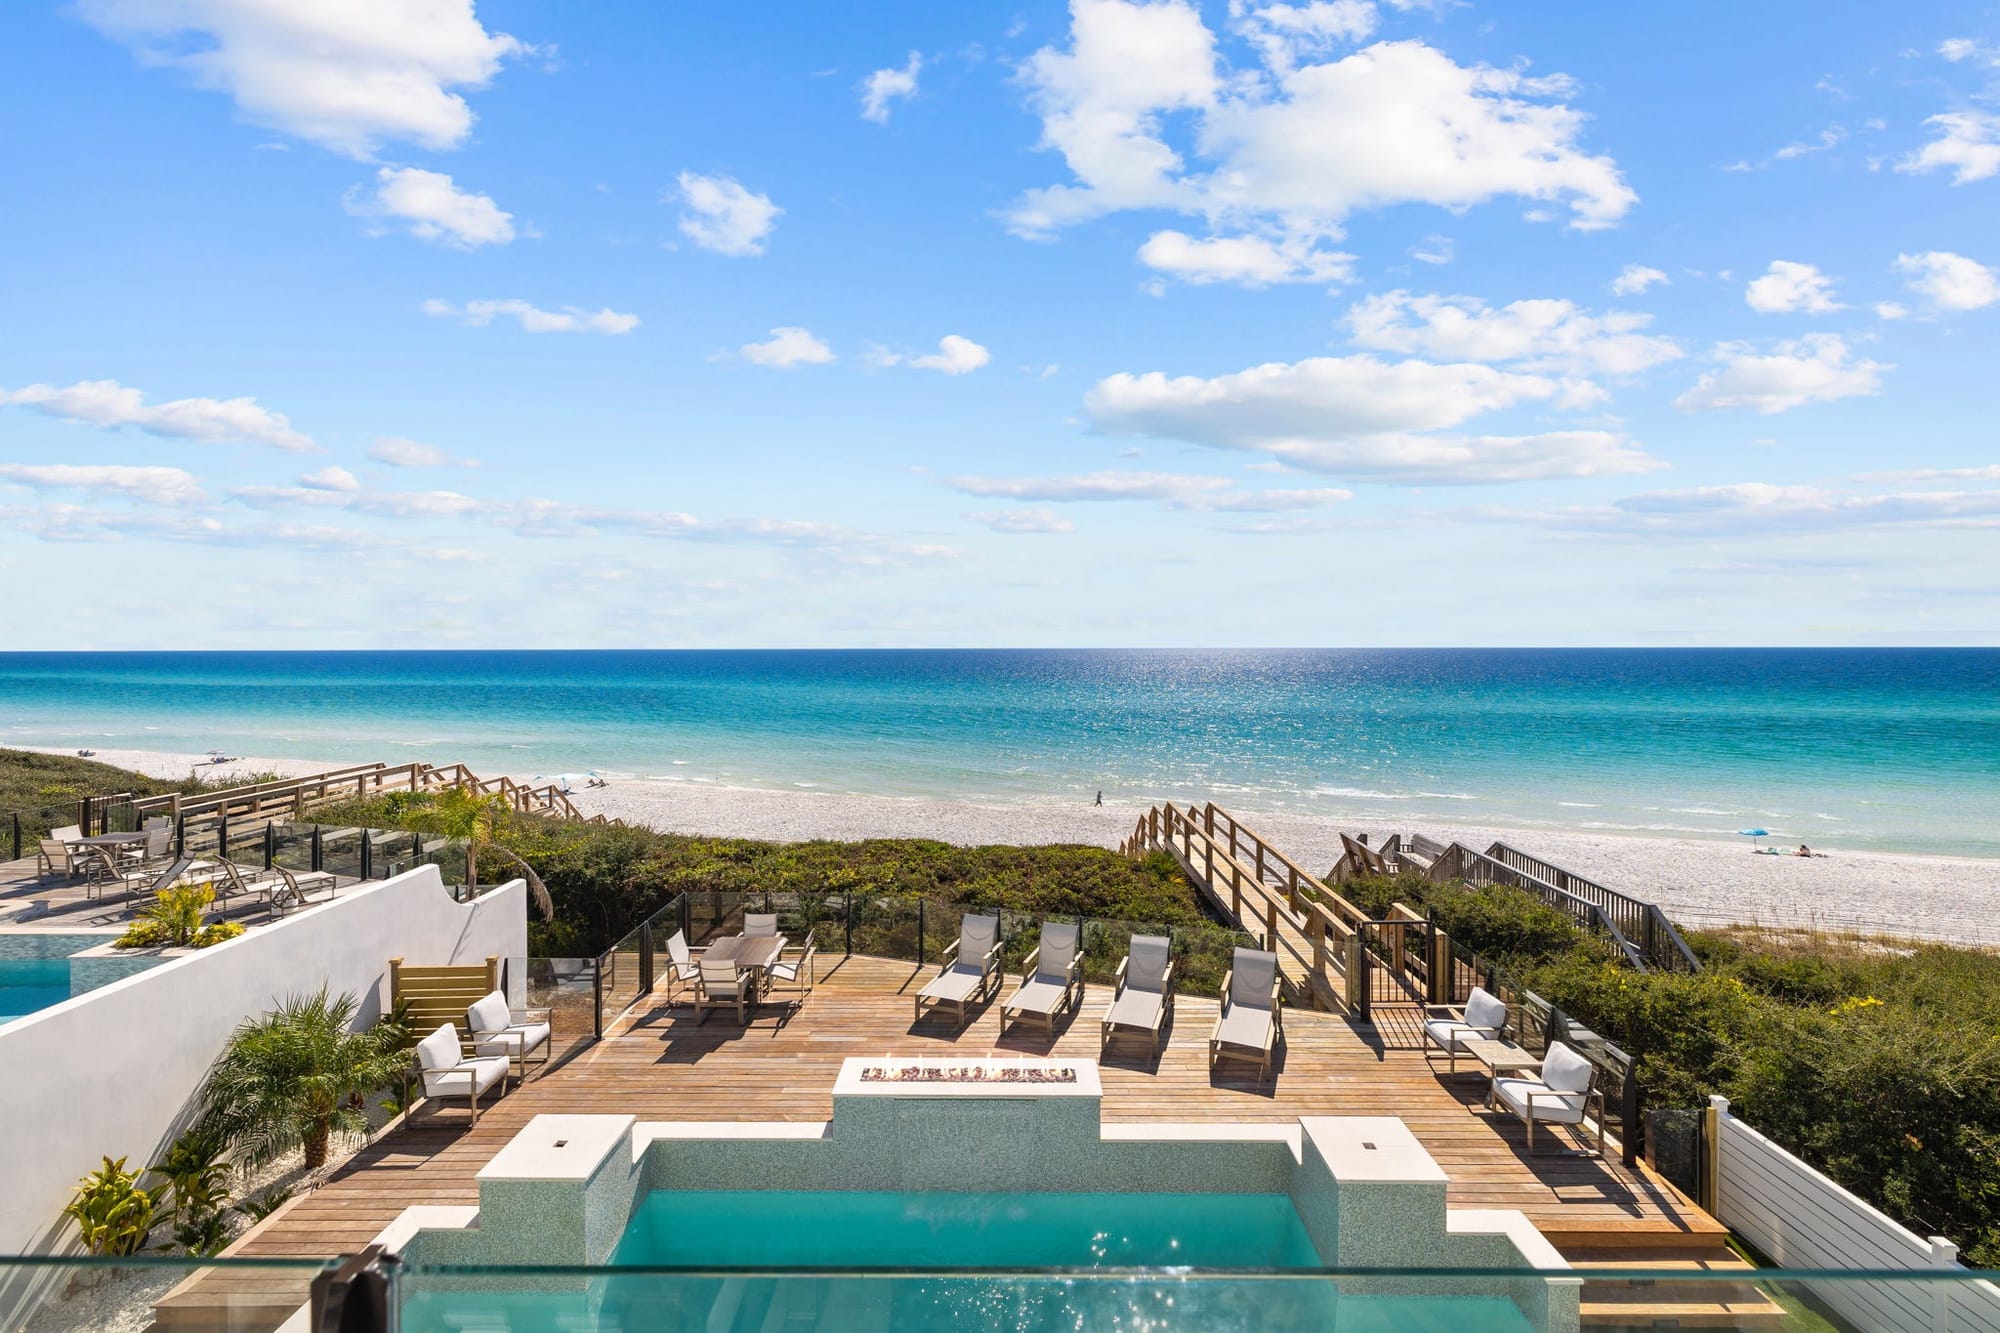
681,970
495,1032
970,970
1250,1024
154,849
1565,1094
294,888
723,986
1051,976
1143,991
798,975
55,857
1448,1027
760,923
449,1072
67,833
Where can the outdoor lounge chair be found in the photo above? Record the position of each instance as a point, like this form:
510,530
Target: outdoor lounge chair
971,967
1565,1094
681,970
1051,976
449,1072
494,1032
798,974
293,888
1483,1015
723,986
1143,991
1249,1025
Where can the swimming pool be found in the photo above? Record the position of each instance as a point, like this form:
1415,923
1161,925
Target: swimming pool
1203,1261
38,969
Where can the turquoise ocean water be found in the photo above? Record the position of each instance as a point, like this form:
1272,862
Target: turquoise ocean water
1897,749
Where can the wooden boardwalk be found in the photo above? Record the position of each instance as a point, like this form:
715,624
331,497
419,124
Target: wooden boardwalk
659,1065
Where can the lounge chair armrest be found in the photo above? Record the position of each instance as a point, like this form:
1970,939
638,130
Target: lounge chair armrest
950,952
1445,1010
1076,966
1028,963
1167,980
1118,977
993,956
1228,978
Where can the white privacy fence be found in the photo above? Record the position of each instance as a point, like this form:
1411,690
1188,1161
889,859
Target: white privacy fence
1801,1219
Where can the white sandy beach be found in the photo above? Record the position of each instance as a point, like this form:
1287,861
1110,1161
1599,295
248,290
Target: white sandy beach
1698,882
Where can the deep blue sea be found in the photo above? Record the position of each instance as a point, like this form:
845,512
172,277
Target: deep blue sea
1889,748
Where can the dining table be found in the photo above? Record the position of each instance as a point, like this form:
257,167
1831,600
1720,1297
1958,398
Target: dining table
750,953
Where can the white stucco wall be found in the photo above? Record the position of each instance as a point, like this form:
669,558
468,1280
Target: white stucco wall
113,1071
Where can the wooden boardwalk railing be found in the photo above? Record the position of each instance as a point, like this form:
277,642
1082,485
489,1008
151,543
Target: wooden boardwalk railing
1314,931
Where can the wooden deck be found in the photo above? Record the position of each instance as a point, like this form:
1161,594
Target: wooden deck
659,1065
28,902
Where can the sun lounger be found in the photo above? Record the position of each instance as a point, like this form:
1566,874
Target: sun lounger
449,1072
723,986
1483,1016
293,888
1143,991
1249,1024
494,1032
971,967
1565,1094
1051,976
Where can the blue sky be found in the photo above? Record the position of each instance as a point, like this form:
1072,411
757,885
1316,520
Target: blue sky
712,325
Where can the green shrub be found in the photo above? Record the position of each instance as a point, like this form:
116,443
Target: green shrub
197,1189
110,1210
174,921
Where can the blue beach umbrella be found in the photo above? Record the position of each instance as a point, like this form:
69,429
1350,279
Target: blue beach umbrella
1754,833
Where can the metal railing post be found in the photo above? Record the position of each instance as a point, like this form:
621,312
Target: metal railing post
850,922
367,854
222,838
270,844
920,932
180,837
646,958
597,997
318,851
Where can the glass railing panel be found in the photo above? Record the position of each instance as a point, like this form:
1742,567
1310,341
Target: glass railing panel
204,1295
340,851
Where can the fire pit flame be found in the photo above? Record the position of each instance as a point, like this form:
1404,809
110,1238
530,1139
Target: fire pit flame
892,1070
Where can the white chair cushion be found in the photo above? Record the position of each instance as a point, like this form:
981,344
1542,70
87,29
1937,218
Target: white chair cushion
520,1040
462,1080
1450,1033
1563,1108
1485,1011
489,1014
1245,1026
1565,1070
440,1050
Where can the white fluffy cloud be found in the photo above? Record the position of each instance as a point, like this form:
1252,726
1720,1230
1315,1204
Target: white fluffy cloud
956,355
725,217
1636,278
1249,261
1814,369
399,452
1023,520
1548,335
110,404
886,86
332,478
1287,152
1206,494
146,485
1967,145
532,319
349,75
1760,509
787,347
1949,281
1362,417
1788,286
430,206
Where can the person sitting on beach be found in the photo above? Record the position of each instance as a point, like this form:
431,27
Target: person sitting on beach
1803,850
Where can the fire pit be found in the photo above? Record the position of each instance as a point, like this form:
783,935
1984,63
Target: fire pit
891,1070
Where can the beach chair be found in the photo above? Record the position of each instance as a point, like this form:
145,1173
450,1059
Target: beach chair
681,969
764,926
1051,976
448,1072
1448,1027
970,969
722,986
294,888
797,975
1250,1023
494,1032
1143,991
55,857
1565,1094
67,833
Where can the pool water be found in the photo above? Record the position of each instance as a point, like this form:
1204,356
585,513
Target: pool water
782,1230
28,984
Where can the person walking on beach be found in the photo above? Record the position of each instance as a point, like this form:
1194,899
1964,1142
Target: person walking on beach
1100,798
